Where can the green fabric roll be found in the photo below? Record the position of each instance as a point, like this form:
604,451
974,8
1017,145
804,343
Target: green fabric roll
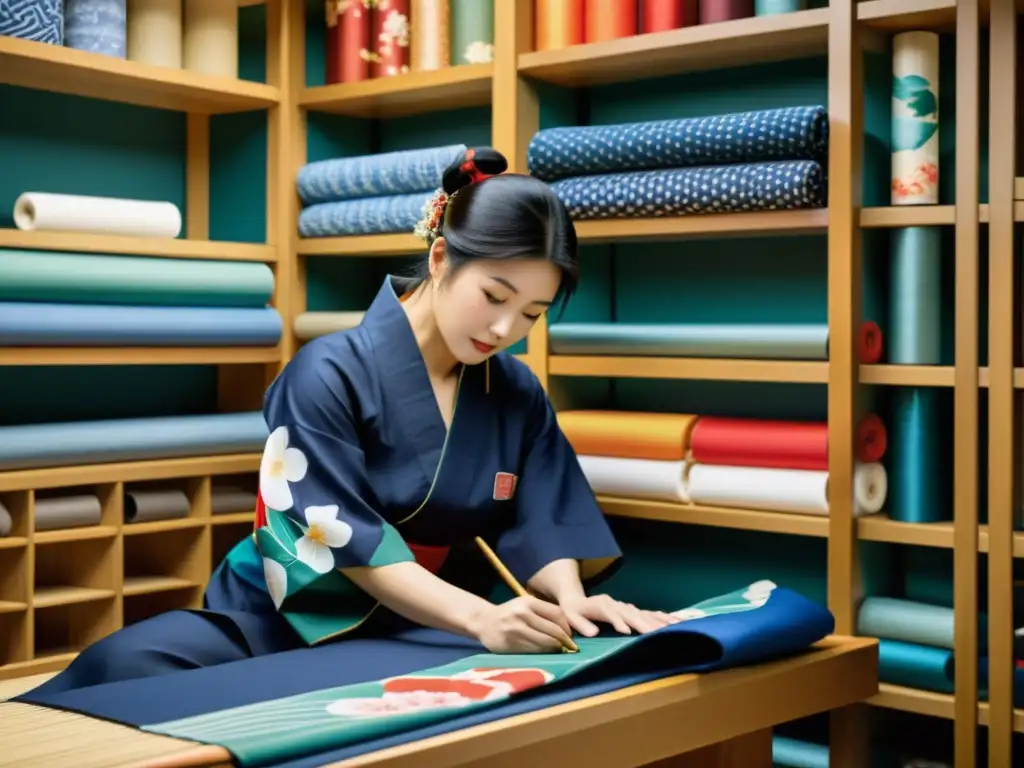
472,31
83,278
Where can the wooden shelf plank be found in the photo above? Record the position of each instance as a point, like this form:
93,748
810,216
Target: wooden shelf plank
709,46
148,585
900,15
13,542
85,533
715,517
81,73
158,469
9,606
164,247
163,526
907,375
138,355
710,369
233,518
704,225
908,216
42,664
362,245
457,87
51,597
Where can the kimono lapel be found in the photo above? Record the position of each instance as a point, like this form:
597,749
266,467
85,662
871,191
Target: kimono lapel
409,396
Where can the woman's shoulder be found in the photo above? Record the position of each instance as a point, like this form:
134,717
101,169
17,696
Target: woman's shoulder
339,363
518,382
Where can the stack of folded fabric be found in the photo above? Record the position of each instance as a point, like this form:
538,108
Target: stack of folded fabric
765,160
371,194
711,461
779,466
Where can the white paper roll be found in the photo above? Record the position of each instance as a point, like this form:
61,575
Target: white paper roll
915,119
635,478
154,32
800,491
211,37
105,215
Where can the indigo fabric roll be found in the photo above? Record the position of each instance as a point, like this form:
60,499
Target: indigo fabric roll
367,216
39,20
790,133
97,26
380,175
784,185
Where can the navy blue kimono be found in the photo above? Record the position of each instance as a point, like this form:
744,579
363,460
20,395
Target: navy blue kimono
359,470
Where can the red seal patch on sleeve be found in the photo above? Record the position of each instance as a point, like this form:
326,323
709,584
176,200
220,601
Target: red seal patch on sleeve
504,486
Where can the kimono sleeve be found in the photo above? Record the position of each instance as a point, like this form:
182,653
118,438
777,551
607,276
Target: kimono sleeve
557,516
320,513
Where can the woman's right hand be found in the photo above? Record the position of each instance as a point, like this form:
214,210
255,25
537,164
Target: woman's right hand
523,625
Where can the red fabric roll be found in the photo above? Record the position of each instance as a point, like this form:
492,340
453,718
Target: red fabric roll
869,343
390,38
662,15
872,439
760,443
712,11
610,19
348,42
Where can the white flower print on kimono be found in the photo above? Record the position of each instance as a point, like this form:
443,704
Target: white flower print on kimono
280,466
323,532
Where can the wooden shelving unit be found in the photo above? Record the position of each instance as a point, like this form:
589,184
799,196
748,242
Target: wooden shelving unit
511,85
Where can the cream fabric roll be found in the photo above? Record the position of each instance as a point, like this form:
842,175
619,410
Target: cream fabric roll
211,37
105,215
310,325
154,32
635,478
799,491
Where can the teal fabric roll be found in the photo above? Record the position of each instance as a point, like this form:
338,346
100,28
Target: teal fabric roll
912,622
83,278
916,296
794,753
805,341
915,666
918,493
769,7
472,31
96,442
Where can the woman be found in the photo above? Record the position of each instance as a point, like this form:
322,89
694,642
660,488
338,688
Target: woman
394,445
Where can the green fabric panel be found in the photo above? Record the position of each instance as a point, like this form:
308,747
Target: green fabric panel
94,279
392,549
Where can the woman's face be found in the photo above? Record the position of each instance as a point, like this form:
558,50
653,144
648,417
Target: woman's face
489,305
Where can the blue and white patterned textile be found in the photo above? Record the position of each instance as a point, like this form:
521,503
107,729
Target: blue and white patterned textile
388,173
365,216
791,133
784,185
39,20
97,26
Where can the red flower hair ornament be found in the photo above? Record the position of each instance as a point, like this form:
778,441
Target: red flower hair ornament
476,165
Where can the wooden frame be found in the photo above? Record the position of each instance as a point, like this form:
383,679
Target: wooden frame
842,31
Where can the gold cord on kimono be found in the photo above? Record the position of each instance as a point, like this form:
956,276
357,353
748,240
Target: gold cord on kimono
487,376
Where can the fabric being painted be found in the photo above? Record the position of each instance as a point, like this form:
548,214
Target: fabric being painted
366,216
356,696
771,186
97,26
95,325
104,440
380,175
790,133
39,20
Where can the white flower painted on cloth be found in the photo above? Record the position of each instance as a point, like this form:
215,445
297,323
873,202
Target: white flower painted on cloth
397,704
479,52
759,592
280,466
324,533
689,613
277,580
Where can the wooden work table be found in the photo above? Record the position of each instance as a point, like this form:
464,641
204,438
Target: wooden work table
723,719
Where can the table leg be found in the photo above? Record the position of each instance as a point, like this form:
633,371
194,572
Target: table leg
751,750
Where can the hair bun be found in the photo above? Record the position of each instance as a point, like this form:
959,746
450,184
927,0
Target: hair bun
475,165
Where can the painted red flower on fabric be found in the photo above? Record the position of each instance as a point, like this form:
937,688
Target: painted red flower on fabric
413,693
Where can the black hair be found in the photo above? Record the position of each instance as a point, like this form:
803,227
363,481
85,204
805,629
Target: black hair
504,216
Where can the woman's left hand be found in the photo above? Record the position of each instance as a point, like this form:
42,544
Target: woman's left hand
625,618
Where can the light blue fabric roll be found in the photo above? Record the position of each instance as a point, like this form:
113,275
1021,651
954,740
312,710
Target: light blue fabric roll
915,303
97,26
380,175
771,7
794,753
751,341
39,20
89,325
915,666
912,622
367,216
97,442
